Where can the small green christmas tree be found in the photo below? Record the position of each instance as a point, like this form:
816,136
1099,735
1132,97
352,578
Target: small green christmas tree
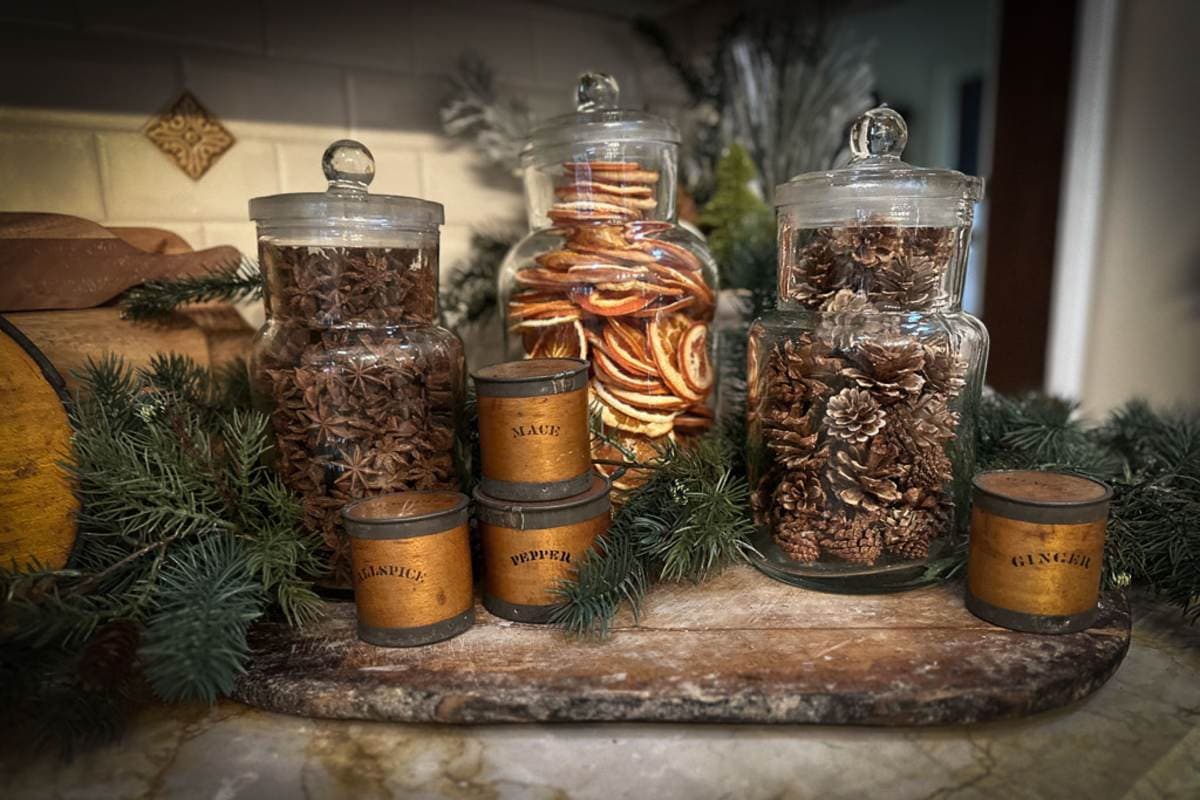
739,224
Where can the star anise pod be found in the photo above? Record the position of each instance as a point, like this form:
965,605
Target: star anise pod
325,425
358,469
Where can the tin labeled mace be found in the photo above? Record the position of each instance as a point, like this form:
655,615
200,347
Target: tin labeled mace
1037,548
411,559
533,429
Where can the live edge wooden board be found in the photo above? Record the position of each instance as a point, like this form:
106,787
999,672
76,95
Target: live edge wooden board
740,648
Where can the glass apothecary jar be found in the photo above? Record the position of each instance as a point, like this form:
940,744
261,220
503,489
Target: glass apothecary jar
363,390
607,275
864,383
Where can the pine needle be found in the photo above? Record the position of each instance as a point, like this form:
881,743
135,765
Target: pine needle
233,283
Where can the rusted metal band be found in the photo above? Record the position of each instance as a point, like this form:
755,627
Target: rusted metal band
1031,623
535,492
570,374
536,615
404,527
549,514
1038,510
414,637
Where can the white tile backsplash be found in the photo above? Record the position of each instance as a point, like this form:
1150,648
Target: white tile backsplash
78,82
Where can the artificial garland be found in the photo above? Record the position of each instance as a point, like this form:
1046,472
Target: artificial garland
184,538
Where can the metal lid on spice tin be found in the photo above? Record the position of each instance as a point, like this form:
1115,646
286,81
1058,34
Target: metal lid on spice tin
545,514
532,377
1042,497
403,515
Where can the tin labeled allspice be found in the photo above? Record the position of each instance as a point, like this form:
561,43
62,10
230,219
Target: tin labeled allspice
1037,549
529,548
533,429
411,566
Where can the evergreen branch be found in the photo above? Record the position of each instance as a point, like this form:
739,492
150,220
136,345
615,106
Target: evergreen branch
232,283
195,639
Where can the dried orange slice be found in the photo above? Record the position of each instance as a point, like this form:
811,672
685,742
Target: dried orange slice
651,402
605,273
544,309
595,187
694,362
601,166
690,281
583,210
605,304
561,259
670,253
616,413
561,341
543,278
608,371
664,335
600,237
620,255
633,334
688,423
638,203
660,310
628,355
642,287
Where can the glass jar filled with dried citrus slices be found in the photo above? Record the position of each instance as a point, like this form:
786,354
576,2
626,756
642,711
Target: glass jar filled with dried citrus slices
864,383
607,275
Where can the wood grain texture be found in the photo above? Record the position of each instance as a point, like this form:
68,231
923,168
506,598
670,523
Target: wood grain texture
210,335
37,505
55,261
741,648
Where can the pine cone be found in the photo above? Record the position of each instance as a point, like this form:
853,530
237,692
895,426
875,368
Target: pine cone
892,371
799,493
856,540
908,281
802,368
853,415
931,420
933,243
107,659
797,538
869,245
869,483
847,317
945,372
908,531
817,269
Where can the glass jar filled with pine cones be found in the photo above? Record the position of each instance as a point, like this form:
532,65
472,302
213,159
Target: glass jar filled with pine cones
608,275
364,391
864,383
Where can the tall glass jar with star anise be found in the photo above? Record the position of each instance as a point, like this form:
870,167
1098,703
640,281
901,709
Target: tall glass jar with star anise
609,276
363,389
864,383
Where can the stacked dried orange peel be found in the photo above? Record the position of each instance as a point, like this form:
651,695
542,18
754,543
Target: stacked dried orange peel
636,306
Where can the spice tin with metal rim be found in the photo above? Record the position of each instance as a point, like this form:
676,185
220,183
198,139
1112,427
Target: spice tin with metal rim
528,548
533,429
411,559
1037,548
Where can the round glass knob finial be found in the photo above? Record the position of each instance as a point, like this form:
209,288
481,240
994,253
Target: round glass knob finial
349,167
596,91
878,132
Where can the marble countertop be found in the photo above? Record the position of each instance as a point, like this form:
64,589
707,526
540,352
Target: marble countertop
1137,737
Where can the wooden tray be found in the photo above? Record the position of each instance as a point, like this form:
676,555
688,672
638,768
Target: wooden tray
740,648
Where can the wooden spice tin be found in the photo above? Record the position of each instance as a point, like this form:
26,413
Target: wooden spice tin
533,429
411,559
528,548
1037,548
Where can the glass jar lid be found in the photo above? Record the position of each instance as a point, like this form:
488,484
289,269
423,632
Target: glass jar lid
877,181
598,119
349,167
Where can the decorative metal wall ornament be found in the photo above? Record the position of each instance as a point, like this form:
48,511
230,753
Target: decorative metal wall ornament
189,135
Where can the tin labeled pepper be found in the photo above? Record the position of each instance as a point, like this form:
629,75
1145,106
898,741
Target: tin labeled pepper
529,548
1037,548
533,429
411,560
